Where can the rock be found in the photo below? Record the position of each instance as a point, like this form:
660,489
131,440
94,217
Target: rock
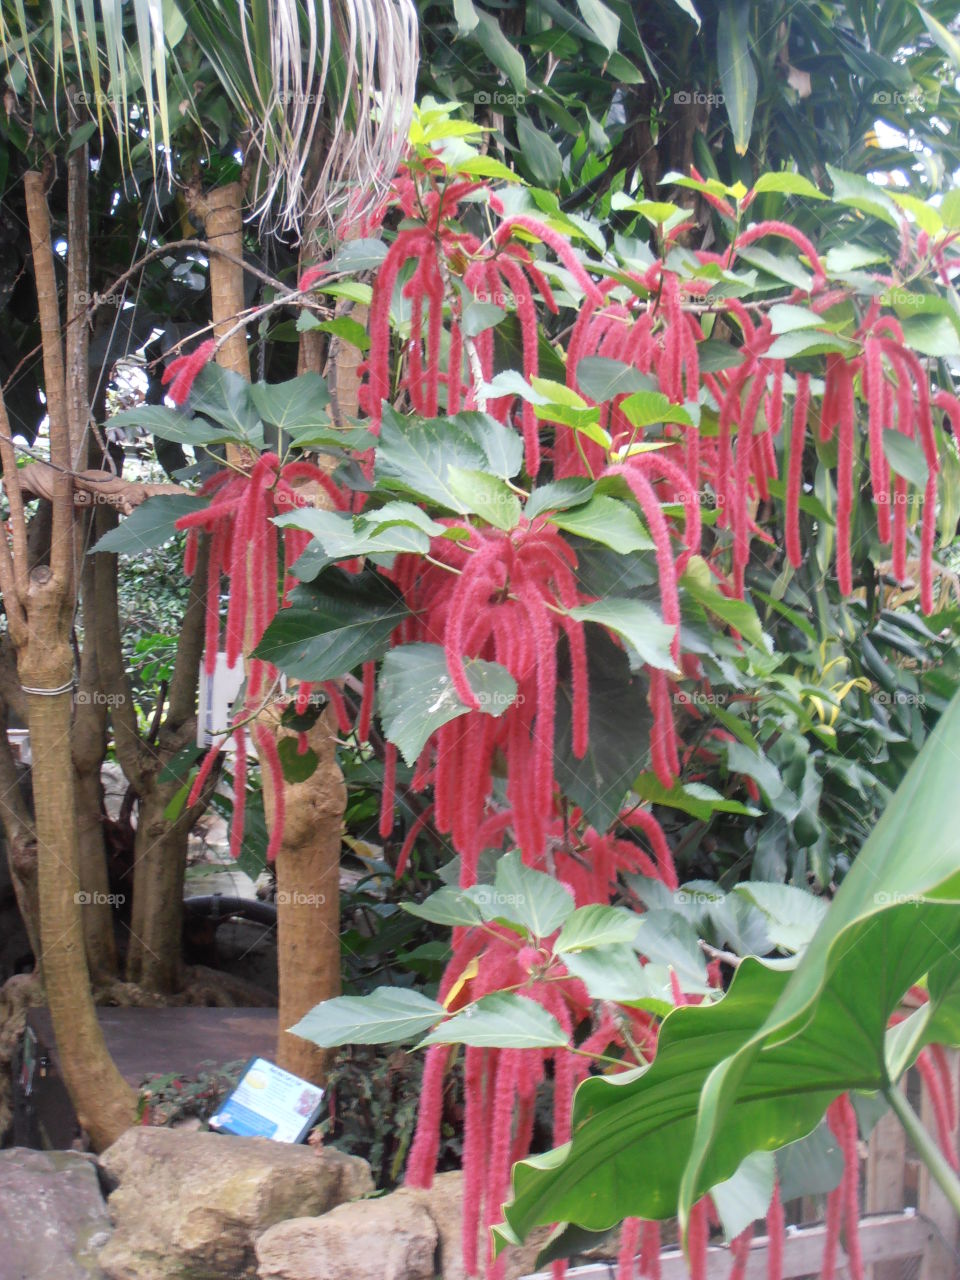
188,1206
52,1216
407,1235
392,1238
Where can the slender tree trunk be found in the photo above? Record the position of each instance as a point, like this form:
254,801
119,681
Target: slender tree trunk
308,862
104,1102
20,838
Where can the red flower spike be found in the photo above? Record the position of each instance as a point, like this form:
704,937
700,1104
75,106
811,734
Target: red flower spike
181,373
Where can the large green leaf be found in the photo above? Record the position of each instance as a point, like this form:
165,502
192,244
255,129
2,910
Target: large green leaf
501,1021
738,75
416,694
297,405
758,1069
536,901
149,525
640,626
333,625
607,520
414,455
383,1017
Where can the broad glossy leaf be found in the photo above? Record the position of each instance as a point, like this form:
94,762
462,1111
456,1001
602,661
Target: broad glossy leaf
746,1196
416,694
297,405
606,520
738,75
699,583
537,901
792,915
596,926
501,1021
485,495
448,906
603,379
642,628
611,972
791,184
385,1016
541,153
603,22
339,536
333,625
169,424
414,455
758,1069
906,457
149,525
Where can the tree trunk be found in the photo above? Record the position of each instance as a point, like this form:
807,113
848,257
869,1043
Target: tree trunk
104,1102
20,838
40,618
308,861
160,858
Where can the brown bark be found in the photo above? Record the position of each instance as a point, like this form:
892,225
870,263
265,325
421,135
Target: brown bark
104,1102
308,862
40,622
20,838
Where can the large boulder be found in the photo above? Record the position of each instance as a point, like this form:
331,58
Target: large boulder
188,1206
52,1216
407,1235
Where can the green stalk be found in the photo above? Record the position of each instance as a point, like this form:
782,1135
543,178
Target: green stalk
926,1148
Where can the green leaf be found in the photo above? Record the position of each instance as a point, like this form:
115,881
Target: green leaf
501,445
500,51
501,1021
618,740
559,495
811,1167
486,496
540,152
225,396
931,335
603,22
340,536
696,798
643,630
792,915
448,906
169,424
480,316
810,342
906,457
538,902
603,379
945,38
791,184
296,767
415,455
149,525
386,1016
699,583
610,973
688,8
785,317
606,520
595,926
416,694
297,405
643,408
333,625
741,759
857,192
738,75
466,15
746,1196
757,1070
343,327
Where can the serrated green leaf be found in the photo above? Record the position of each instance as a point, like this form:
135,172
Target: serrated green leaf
386,1016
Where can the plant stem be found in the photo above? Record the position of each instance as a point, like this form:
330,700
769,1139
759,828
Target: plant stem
926,1147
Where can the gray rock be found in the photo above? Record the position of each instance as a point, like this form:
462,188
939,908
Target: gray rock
188,1206
407,1235
52,1216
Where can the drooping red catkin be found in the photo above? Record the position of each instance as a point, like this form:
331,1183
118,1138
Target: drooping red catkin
267,750
181,373
787,232
776,1231
367,701
239,791
798,432
649,504
629,1247
419,822
203,773
933,1083
938,1055
698,1237
388,792
843,1123
422,1161
476,1129
928,528
845,457
650,1251
874,387
740,1252
557,243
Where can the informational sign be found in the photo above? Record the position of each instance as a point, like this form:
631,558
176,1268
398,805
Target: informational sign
269,1102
